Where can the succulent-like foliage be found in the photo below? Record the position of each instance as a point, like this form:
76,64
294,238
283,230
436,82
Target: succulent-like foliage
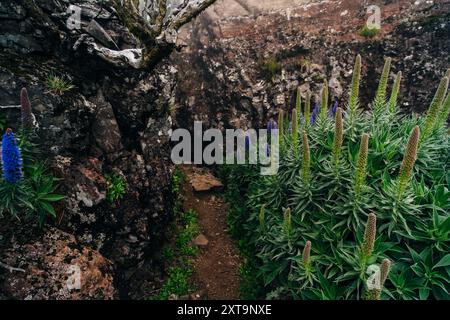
410,198
11,158
27,116
360,172
409,158
433,110
394,92
338,137
369,235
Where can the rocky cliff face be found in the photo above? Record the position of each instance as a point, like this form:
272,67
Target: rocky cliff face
229,48
118,117
115,119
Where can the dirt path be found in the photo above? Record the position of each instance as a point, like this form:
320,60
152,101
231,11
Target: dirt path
217,264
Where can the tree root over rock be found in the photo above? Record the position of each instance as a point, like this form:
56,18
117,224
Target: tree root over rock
10,268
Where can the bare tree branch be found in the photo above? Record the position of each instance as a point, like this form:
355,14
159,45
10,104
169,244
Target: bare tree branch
150,22
10,269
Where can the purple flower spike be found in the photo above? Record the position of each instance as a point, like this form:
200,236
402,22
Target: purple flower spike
271,125
247,142
314,114
335,106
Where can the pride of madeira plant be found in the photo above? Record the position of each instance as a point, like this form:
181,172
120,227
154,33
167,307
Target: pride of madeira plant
25,189
360,207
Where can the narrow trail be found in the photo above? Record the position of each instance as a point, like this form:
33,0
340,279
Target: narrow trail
217,263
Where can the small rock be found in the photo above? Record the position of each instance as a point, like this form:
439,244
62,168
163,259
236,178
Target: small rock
200,241
198,295
205,182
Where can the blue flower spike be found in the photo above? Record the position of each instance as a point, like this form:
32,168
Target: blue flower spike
314,114
11,158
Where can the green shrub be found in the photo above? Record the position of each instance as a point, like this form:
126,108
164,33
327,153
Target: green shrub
177,283
116,187
365,190
58,84
179,256
177,179
368,32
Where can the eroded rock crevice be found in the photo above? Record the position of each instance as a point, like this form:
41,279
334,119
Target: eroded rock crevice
114,120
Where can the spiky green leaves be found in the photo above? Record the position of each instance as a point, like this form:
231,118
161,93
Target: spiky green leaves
353,101
394,93
306,159
370,233
338,137
360,172
409,158
294,132
434,108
